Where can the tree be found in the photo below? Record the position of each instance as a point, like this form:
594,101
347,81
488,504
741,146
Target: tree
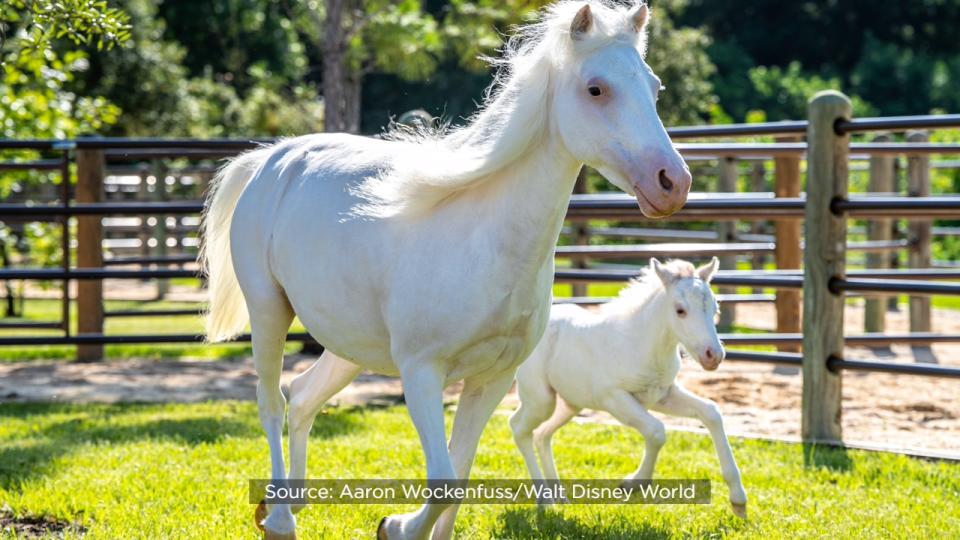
357,37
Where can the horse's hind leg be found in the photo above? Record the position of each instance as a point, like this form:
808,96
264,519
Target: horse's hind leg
270,318
308,393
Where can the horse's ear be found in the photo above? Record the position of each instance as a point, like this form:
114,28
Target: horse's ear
582,22
640,17
665,275
707,271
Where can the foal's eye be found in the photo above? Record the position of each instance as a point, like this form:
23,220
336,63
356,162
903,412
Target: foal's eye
595,91
681,312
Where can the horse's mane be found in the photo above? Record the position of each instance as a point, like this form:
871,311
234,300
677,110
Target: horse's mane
644,287
438,163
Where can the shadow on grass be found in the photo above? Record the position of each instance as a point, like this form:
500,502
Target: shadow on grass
33,456
530,522
823,456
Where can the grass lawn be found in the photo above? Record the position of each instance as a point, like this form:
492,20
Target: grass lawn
180,471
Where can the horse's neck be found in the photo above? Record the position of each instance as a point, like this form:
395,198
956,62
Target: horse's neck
647,328
524,207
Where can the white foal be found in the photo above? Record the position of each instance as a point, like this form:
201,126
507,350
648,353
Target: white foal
624,359
430,256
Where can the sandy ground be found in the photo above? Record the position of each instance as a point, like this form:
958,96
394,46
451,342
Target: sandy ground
905,413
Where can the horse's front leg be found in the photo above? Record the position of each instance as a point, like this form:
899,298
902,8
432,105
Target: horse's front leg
680,402
625,408
477,403
423,384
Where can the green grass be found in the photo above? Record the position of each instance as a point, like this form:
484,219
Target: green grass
180,471
49,310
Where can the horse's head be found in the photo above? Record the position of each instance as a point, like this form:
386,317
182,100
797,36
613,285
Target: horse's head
693,309
606,109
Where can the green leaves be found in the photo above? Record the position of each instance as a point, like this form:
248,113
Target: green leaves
83,22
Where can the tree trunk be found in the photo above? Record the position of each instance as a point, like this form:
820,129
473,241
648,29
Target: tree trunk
341,88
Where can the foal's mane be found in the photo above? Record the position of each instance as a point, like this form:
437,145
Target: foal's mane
644,287
514,114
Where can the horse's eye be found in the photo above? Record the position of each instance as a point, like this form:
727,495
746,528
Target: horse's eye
595,91
681,312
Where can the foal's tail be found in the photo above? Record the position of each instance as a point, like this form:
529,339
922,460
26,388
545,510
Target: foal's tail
226,312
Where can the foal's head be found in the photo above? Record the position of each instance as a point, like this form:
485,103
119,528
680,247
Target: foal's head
692,308
605,105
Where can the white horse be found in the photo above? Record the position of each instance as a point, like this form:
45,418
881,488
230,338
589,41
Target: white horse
430,256
624,359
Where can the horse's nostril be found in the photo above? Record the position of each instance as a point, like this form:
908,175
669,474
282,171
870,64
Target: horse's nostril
709,353
665,181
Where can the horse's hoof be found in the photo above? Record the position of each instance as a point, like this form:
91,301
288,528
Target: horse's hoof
739,510
260,514
629,483
382,530
267,535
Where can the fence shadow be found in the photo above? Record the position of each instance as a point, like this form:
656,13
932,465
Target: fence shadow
821,456
36,454
530,522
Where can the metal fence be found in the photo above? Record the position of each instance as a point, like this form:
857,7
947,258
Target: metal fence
824,209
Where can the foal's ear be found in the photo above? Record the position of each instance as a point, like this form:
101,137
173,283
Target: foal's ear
640,17
582,22
662,272
707,271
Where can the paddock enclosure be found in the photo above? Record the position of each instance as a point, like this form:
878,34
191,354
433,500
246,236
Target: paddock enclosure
129,210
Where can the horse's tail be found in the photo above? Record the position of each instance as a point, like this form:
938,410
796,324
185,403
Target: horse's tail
226,313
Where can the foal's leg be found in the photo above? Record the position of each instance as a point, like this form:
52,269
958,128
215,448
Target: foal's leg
270,318
423,384
625,408
308,393
680,402
537,402
543,436
477,403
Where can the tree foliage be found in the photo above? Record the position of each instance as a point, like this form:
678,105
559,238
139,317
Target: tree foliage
898,57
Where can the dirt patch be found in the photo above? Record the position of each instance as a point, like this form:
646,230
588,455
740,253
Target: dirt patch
900,412
28,526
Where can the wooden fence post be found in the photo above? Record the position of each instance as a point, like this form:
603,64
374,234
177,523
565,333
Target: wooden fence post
726,233
918,185
787,250
581,235
881,181
90,173
824,257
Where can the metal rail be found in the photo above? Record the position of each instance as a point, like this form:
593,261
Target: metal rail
152,312
780,358
927,207
723,298
897,123
840,285
665,250
159,259
860,340
928,370
747,279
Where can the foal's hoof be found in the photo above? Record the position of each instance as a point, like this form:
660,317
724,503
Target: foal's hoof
260,514
382,530
739,510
